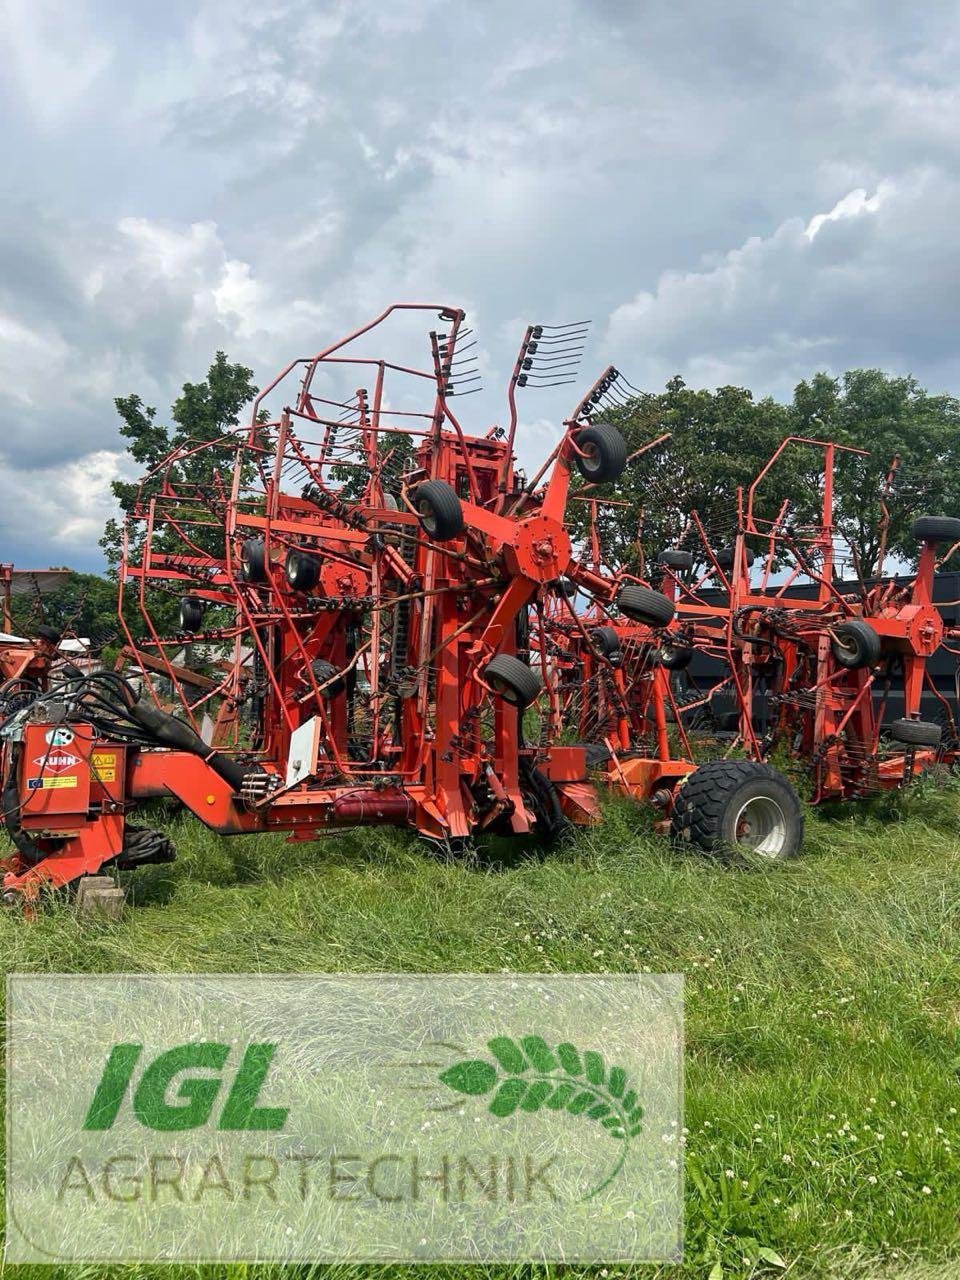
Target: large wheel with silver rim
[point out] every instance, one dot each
(731, 805)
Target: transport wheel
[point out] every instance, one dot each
(916, 733)
(671, 558)
(603, 453)
(606, 640)
(674, 657)
(724, 557)
(191, 613)
(439, 509)
(323, 671)
(936, 529)
(512, 679)
(641, 604)
(855, 644)
(253, 561)
(302, 570)
(729, 804)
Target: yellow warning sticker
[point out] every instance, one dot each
(103, 765)
(58, 784)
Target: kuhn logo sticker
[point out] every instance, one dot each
(56, 761)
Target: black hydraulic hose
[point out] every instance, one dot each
(172, 732)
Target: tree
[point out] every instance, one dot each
(891, 417)
(719, 440)
(204, 412)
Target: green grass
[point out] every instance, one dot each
(822, 998)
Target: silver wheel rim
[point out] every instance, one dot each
(761, 825)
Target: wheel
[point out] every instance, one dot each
(191, 613)
(441, 515)
(936, 529)
(916, 733)
(323, 671)
(674, 559)
(730, 804)
(512, 679)
(724, 557)
(606, 640)
(641, 604)
(253, 561)
(603, 452)
(673, 657)
(855, 644)
(50, 634)
(302, 570)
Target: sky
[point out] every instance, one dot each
(739, 193)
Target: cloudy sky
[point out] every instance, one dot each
(738, 192)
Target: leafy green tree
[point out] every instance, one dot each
(205, 412)
(718, 441)
(892, 418)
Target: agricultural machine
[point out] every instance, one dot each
(809, 665)
(354, 612)
(345, 613)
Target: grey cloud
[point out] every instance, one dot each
(264, 175)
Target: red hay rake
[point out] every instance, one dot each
(363, 615)
(821, 660)
(355, 583)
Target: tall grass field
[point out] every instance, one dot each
(822, 1124)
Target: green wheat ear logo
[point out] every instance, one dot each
(530, 1076)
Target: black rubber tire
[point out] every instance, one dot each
(672, 558)
(512, 679)
(724, 557)
(606, 640)
(674, 657)
(710, 802)
(50, 634)
(855, 645)
(191, 613)
(641, 604)
(439, 509)
(936, 529)
(322, 671)
(253, 561)
(916, 733)
(302, 570)
(604, 455)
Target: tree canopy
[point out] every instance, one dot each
(721, 439)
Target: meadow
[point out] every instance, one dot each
(822, 1123)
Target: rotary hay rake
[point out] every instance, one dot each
(356, 584)
(809, 670)
(359, 614)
